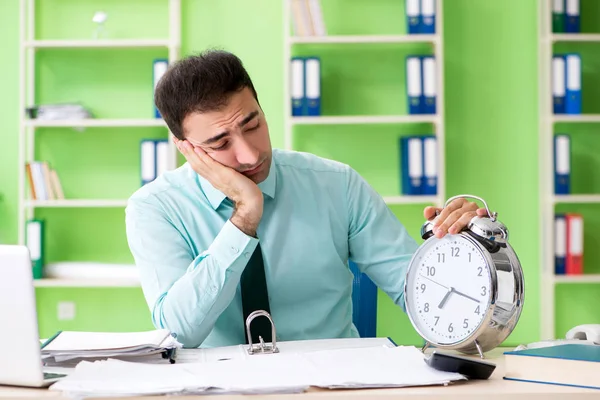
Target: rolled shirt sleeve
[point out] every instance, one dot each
(186, 294)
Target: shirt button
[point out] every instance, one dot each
(247, 255)
(234, 250)
(213, 289)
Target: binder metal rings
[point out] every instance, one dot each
(261, 347)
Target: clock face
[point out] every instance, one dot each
(448, 289)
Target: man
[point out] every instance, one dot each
(241, 227)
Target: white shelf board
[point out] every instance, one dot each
(364, 119)
(76, 203)
(82, 44)
(391, 200)
(90, 282)
(577, 198)
(92, 122)
(576, 37)
(589, 278)
(576, 118)
(356, 39)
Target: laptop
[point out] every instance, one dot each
(20, 358)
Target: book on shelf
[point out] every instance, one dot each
(420, 17)
(418, 165)
(44, 183)
(566, 16)
(307, 18)
(568, 243)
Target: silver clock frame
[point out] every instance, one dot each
(501, 317)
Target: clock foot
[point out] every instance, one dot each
(425, 347)
(479, 349)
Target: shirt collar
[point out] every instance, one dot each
(216, 197)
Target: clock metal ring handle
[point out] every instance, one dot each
(492, 215)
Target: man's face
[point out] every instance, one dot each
(236, 136)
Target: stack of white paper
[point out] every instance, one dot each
(371, 367)
(70, 347)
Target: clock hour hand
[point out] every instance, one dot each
(465, 295)
(445, 298)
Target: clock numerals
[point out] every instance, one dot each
(430, 271)
(441, 257)
(479, 271)
(455, 251)
(469, 257)
(426, 307)
(450, 328)
(483, 290)
(423, 287)
(477, 311)
(466, 323)
(437, 319)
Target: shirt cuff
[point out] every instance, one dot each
(231, 244)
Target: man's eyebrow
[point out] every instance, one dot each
(248, 118)
(221, 135)
(215, 138)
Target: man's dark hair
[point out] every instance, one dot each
(199, 83)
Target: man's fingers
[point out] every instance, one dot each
(461, 222)
(482, 212)
(430, 212)
(449, 209)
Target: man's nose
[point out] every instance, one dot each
(246, 154)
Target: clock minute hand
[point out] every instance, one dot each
(437, 283)
(467, 296)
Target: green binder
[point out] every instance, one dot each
(558, 16)
(35, 244)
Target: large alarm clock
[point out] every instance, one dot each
(465, 291)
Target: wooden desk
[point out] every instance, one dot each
(493, 388)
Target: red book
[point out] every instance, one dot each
(574, 259)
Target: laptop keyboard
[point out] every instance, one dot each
(49, 375)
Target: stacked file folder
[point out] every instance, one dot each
(421, 84)
(70, 347)
(566, 83)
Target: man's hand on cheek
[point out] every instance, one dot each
(245, 194)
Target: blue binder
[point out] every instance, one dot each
(159, 67)
(414, 84)
(413, 16)
(428, 90)
(147, 161)
(312, 74)
(411, 154)
(427, 16)
(364, 302)
(298, 87)
(572, 24)
(562, 164)
(559, 86)
(430, 176)
(560, 244)
(573, 83)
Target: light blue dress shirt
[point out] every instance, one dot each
(317, 214)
